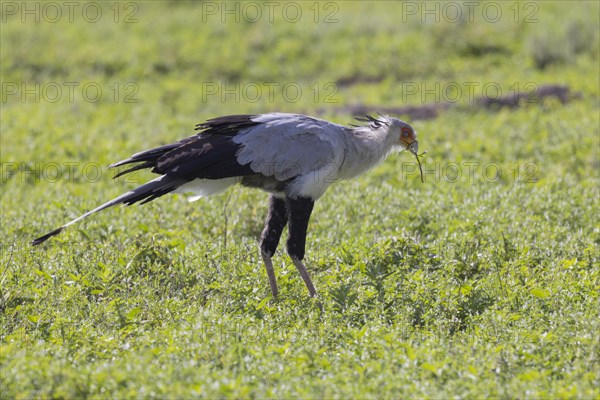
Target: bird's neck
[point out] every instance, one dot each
(366, 148)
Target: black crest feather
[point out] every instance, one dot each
(374, 122)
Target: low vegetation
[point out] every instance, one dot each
(481, 282)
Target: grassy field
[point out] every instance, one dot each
(482, 282)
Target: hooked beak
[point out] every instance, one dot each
(413, 147)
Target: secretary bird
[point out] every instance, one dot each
(293, 157)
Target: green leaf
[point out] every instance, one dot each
(43, 274)
(134, 312)
(430, 367)
(540, 293)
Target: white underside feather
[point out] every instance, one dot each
(206, 187)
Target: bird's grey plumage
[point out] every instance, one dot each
(313, 152)
(287, 145)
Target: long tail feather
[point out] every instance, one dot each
(147, 192)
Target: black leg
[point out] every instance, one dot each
(299, 211)
(269, 239)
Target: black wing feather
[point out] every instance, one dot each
(144, 165)
(208, 154)
(227, 125)
(152, 154)
(212, 157)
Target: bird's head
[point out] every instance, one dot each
(404, 135)
(398, 133)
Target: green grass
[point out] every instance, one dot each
(467, 287)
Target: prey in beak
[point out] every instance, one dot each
(409, 139)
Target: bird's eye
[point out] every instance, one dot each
(405, 133)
